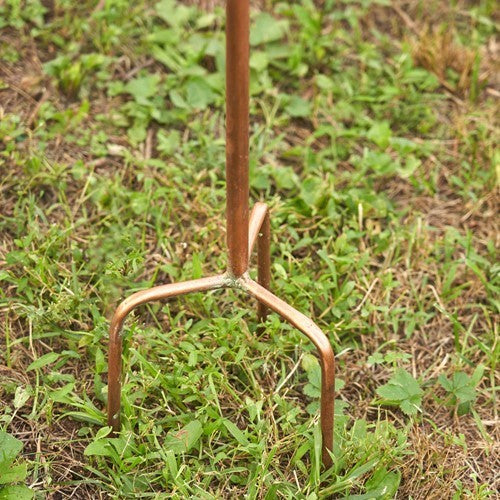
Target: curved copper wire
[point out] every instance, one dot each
(259, 230)
(265, 297)
(257, 217)
(115, 339)
(325, 351)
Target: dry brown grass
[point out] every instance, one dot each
(437, 52)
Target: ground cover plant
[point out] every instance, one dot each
(373, 134)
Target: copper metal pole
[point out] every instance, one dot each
(242, 235)
(237, 130)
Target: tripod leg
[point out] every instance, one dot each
(115, 339)
(264, 263)
(326, 356)
(260, 231)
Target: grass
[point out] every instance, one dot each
(373, 134)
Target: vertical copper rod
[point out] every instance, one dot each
(237, 130)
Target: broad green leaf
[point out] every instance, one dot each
(16, 493)
(172, 463)
(280, 270)
(168, 143)
(402, 390)
(10, 447)
(392, 392)
(466, 394)
(324, 83)
(313, 388)
(375, 358)
(173, 13)
(284, 177)
(44, 360)
(380, 134)
(177, 100)
(409, 407)
(311, 190)
(103, 432)
(309, 362)
(312, 391)
(259, 60)
(167, 58)
(266, 28)
(314, 376)
(362, 469)
(445, 383)
(381, 486)
(477, 375)
(410, 166)
(462, 388)
(21, 396)
(84, 417)
(101, 448)
(183, 440)
(237, 434)
(197, 267)
(101, 364)
(298, 107)
(198, 93)
(142, 88)
(137, 133)
(14, 474)
(460, 379)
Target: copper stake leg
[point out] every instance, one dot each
(326, 357)
(260, 230)
(115, 340)
(264, 263)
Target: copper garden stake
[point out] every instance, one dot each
(243, 231)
